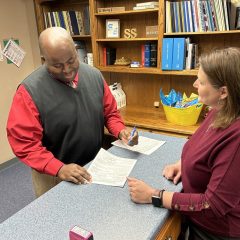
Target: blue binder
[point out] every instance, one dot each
(179, 52)
(167, 53)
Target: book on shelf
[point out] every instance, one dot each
(238, 18)
(216, 10)
(186, 16)
(154, 3)
(221, 15)
(144, 7)
(105, 56)
(167, 53)
(214, 14)
(52, 21)
(46, 20)
(210, 16)
(81, 50)
(179, 51)
(111, 9)
(56, 17)
(207, 16)
(195, 57)
(61, 19)
(147, 54)
(79, 16)
(225, 12)
(183, 18)
(234, 13)
(86, 20)
(188, 54)
(200, 15)
(105, 9)
(192, 56)
(168, 22)
(90, 59)
(153, 54)
(196, 17)
(176, 17)
(172, 18)
(75, 22)
(109, 56)
(180, 26)
(190, 15)
(179, 54)
(118, 9)
(67, 21)
(83, 55)
(142, 54)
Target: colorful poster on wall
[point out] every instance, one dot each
(5, 43)
(13, 52)
(1, 55)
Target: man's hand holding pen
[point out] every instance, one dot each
(130, 138)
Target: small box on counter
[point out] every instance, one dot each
(78, 233)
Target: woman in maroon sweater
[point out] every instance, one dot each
(210, 162)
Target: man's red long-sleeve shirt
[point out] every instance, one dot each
(25, 132)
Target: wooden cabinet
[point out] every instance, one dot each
(141, 85)
(171, 228)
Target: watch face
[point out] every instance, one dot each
(156, 201)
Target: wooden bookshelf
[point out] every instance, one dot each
(153, 119)
(44, 6)
(141, 85)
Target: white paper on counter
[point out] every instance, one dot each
(108, 169)
(145, 145)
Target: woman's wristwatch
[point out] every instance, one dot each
(157, 200)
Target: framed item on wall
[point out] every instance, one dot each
(112, 28)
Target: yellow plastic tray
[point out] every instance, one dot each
(183, 116)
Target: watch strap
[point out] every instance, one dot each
(157, 201)
(161, 197)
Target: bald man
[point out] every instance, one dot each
(56, 121)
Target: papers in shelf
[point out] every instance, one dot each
(145, 145)
(108, 169)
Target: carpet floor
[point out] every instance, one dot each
(16, 190)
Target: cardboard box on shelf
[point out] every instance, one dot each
(151, 31)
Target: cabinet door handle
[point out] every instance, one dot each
(168, 238)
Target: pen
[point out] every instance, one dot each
(132, 134)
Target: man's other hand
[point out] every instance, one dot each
(74, 173)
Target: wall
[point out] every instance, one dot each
(17, 20)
